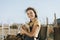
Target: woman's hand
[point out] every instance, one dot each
(22, 31)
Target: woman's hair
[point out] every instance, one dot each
(30, 8)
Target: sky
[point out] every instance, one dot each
(13, 11)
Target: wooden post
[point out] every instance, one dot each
(9, 29)
(2, 32)
(47, 27)
(55, 20)
(46, 20)
(56, 29)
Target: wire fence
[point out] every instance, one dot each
(6, 30)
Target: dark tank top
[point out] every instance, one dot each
(31, 29)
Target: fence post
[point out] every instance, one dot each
(9, 28)
(2, 32)
(55, 20)
(47, 27)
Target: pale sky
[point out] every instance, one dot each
(13, 11)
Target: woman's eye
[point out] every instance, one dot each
(27, 13)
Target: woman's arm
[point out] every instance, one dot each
(34, 29)
(31, 34)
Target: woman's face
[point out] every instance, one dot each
(31, 14)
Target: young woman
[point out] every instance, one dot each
(34, 25)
